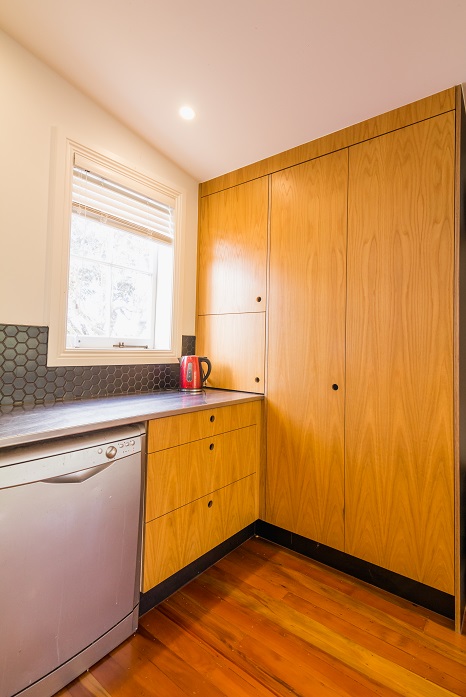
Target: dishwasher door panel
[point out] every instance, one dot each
(65, 551)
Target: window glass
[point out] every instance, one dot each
(120, 285)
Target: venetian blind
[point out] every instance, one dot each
(96, 196)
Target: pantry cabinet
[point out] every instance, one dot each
(366, 306)
(201, 487)
(306, 349)
(399, 352)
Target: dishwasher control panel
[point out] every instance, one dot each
(122, 448)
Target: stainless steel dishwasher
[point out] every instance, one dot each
(70, 535)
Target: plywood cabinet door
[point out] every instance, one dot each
(306, 349)
(236, 346)
(233, 249)
(399, 411)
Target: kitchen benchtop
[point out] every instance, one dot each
(21, 426)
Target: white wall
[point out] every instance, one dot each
(34, 100)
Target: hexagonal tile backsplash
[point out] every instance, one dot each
(25, 378)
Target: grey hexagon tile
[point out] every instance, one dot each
(188, 345)
(25, 378)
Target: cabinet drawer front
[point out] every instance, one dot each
(183, 428)
(178, 538)
(177, 476)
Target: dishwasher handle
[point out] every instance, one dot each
(77, 477)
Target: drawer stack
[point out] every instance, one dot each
(201, 485)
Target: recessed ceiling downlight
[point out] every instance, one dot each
(187, 112)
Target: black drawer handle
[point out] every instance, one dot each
(210, 504)
(211, 446)
(257, 379)
(258, 299)
(334, 386)
(212, 418)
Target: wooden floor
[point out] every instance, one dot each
(265, 621)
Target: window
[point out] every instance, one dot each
(119, 266)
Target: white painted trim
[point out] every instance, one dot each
(63, 149)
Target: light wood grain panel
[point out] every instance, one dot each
(399, 437)
(184, 428)
(178, 538)
(236, 346)
(306, 353)
(180, 475)
(460, 360)
(233, 250)
(378, 125)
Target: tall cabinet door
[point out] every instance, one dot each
(399, 370)
(306, 349)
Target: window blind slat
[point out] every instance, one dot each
(94, 214)
(139, 184)
(97, 197)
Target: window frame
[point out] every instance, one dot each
(64, 149)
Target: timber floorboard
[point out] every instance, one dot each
(265, 621)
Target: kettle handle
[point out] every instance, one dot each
(204, 376)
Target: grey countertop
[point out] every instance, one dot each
(22, 426)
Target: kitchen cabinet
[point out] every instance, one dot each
(399, 360)
(366, 305)
(233, 250)
(306, 349)
(364, 380)
(232, 285)
(202, 485)
(236, 346)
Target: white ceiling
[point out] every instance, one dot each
(262, 75)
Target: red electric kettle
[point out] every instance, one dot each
(192, 377)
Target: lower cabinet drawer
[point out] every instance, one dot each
(177, 476)
(178, 538)
(170, 431)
